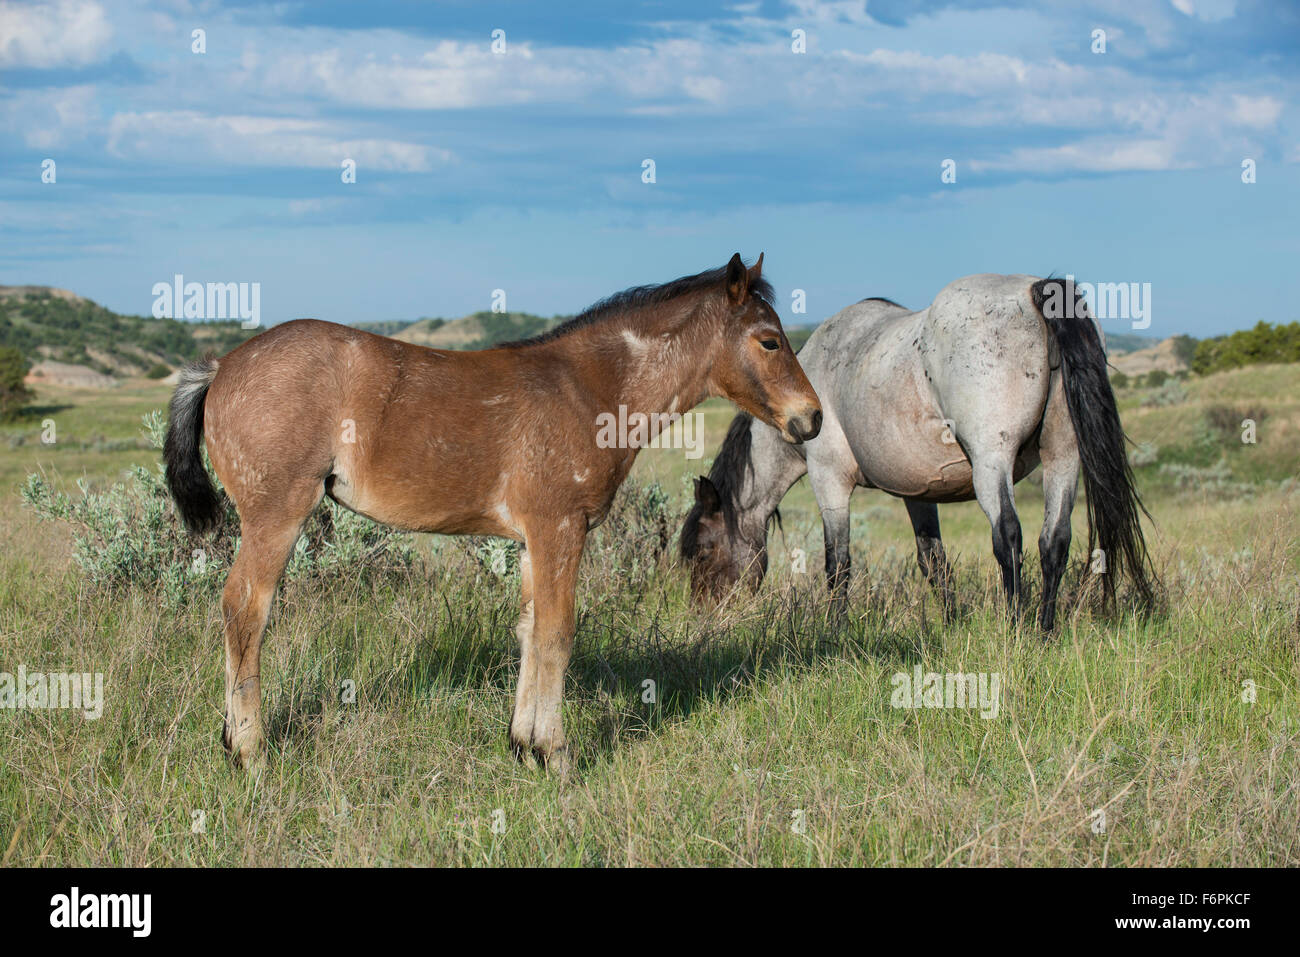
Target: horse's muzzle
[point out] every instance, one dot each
(802, 428)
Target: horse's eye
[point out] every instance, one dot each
(771, 345)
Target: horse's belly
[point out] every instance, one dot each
(941, 477)
(421, 502)
(936, 472)
(906, 447)
(952, 482)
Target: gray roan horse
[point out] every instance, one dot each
(957, 401)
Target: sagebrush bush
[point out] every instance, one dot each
(628, 546)
(1214, 480)
(1226, 420)
(1169, 392)
(1145, 453)
(131, 535)
(634, 539)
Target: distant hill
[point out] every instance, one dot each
(477, 331)
(74, 341)
(1119, 343)
(65, 333)
(1172, 355)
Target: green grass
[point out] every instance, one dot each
(772, 741)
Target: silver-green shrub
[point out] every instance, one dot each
(131, 535)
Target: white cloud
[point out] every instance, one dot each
(59, 33)
(1108, 118)
(1208, 10)
(47, 119)
(455, 75)
(707, 88)
(1170, 131)
(312, 207)
(1091, 155)
(959, 74)
(1257, 111)
(450, 76)
(179, 136)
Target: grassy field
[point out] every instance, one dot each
(772, 739)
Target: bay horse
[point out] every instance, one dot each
(957, 401)
(501, 441)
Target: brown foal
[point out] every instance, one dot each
(501, 441)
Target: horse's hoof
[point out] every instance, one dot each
(247, 750)
(557, 762)
(524, 755)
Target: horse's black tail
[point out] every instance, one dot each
(1114, 507)
(188, 480)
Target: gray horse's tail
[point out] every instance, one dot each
(1114, 507)
(188, 480)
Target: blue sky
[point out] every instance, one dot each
(522, 170)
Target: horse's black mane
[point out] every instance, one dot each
(640, 296)
(733, 461)
(730, 466)
(881, 299)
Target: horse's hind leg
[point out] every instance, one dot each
(1059, 450)
(993, 489)
(268, 533)
(930, 555)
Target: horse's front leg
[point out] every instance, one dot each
(833, 488)
(545, 630)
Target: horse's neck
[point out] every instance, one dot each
(775, 466)
(661, 364)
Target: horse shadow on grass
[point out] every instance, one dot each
(641, 663)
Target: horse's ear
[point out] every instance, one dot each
(706, 495)
(756, 270)
(737, 280)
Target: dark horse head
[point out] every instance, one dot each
(722, 542)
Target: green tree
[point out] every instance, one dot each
(1185, 348)
(14, 393)
(1264, 343)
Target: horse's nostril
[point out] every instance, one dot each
(802, 428)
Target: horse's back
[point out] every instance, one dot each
(985, 350)
(383, 421)
(908, 390)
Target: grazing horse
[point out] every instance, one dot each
(957, 401)
(502, 441)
